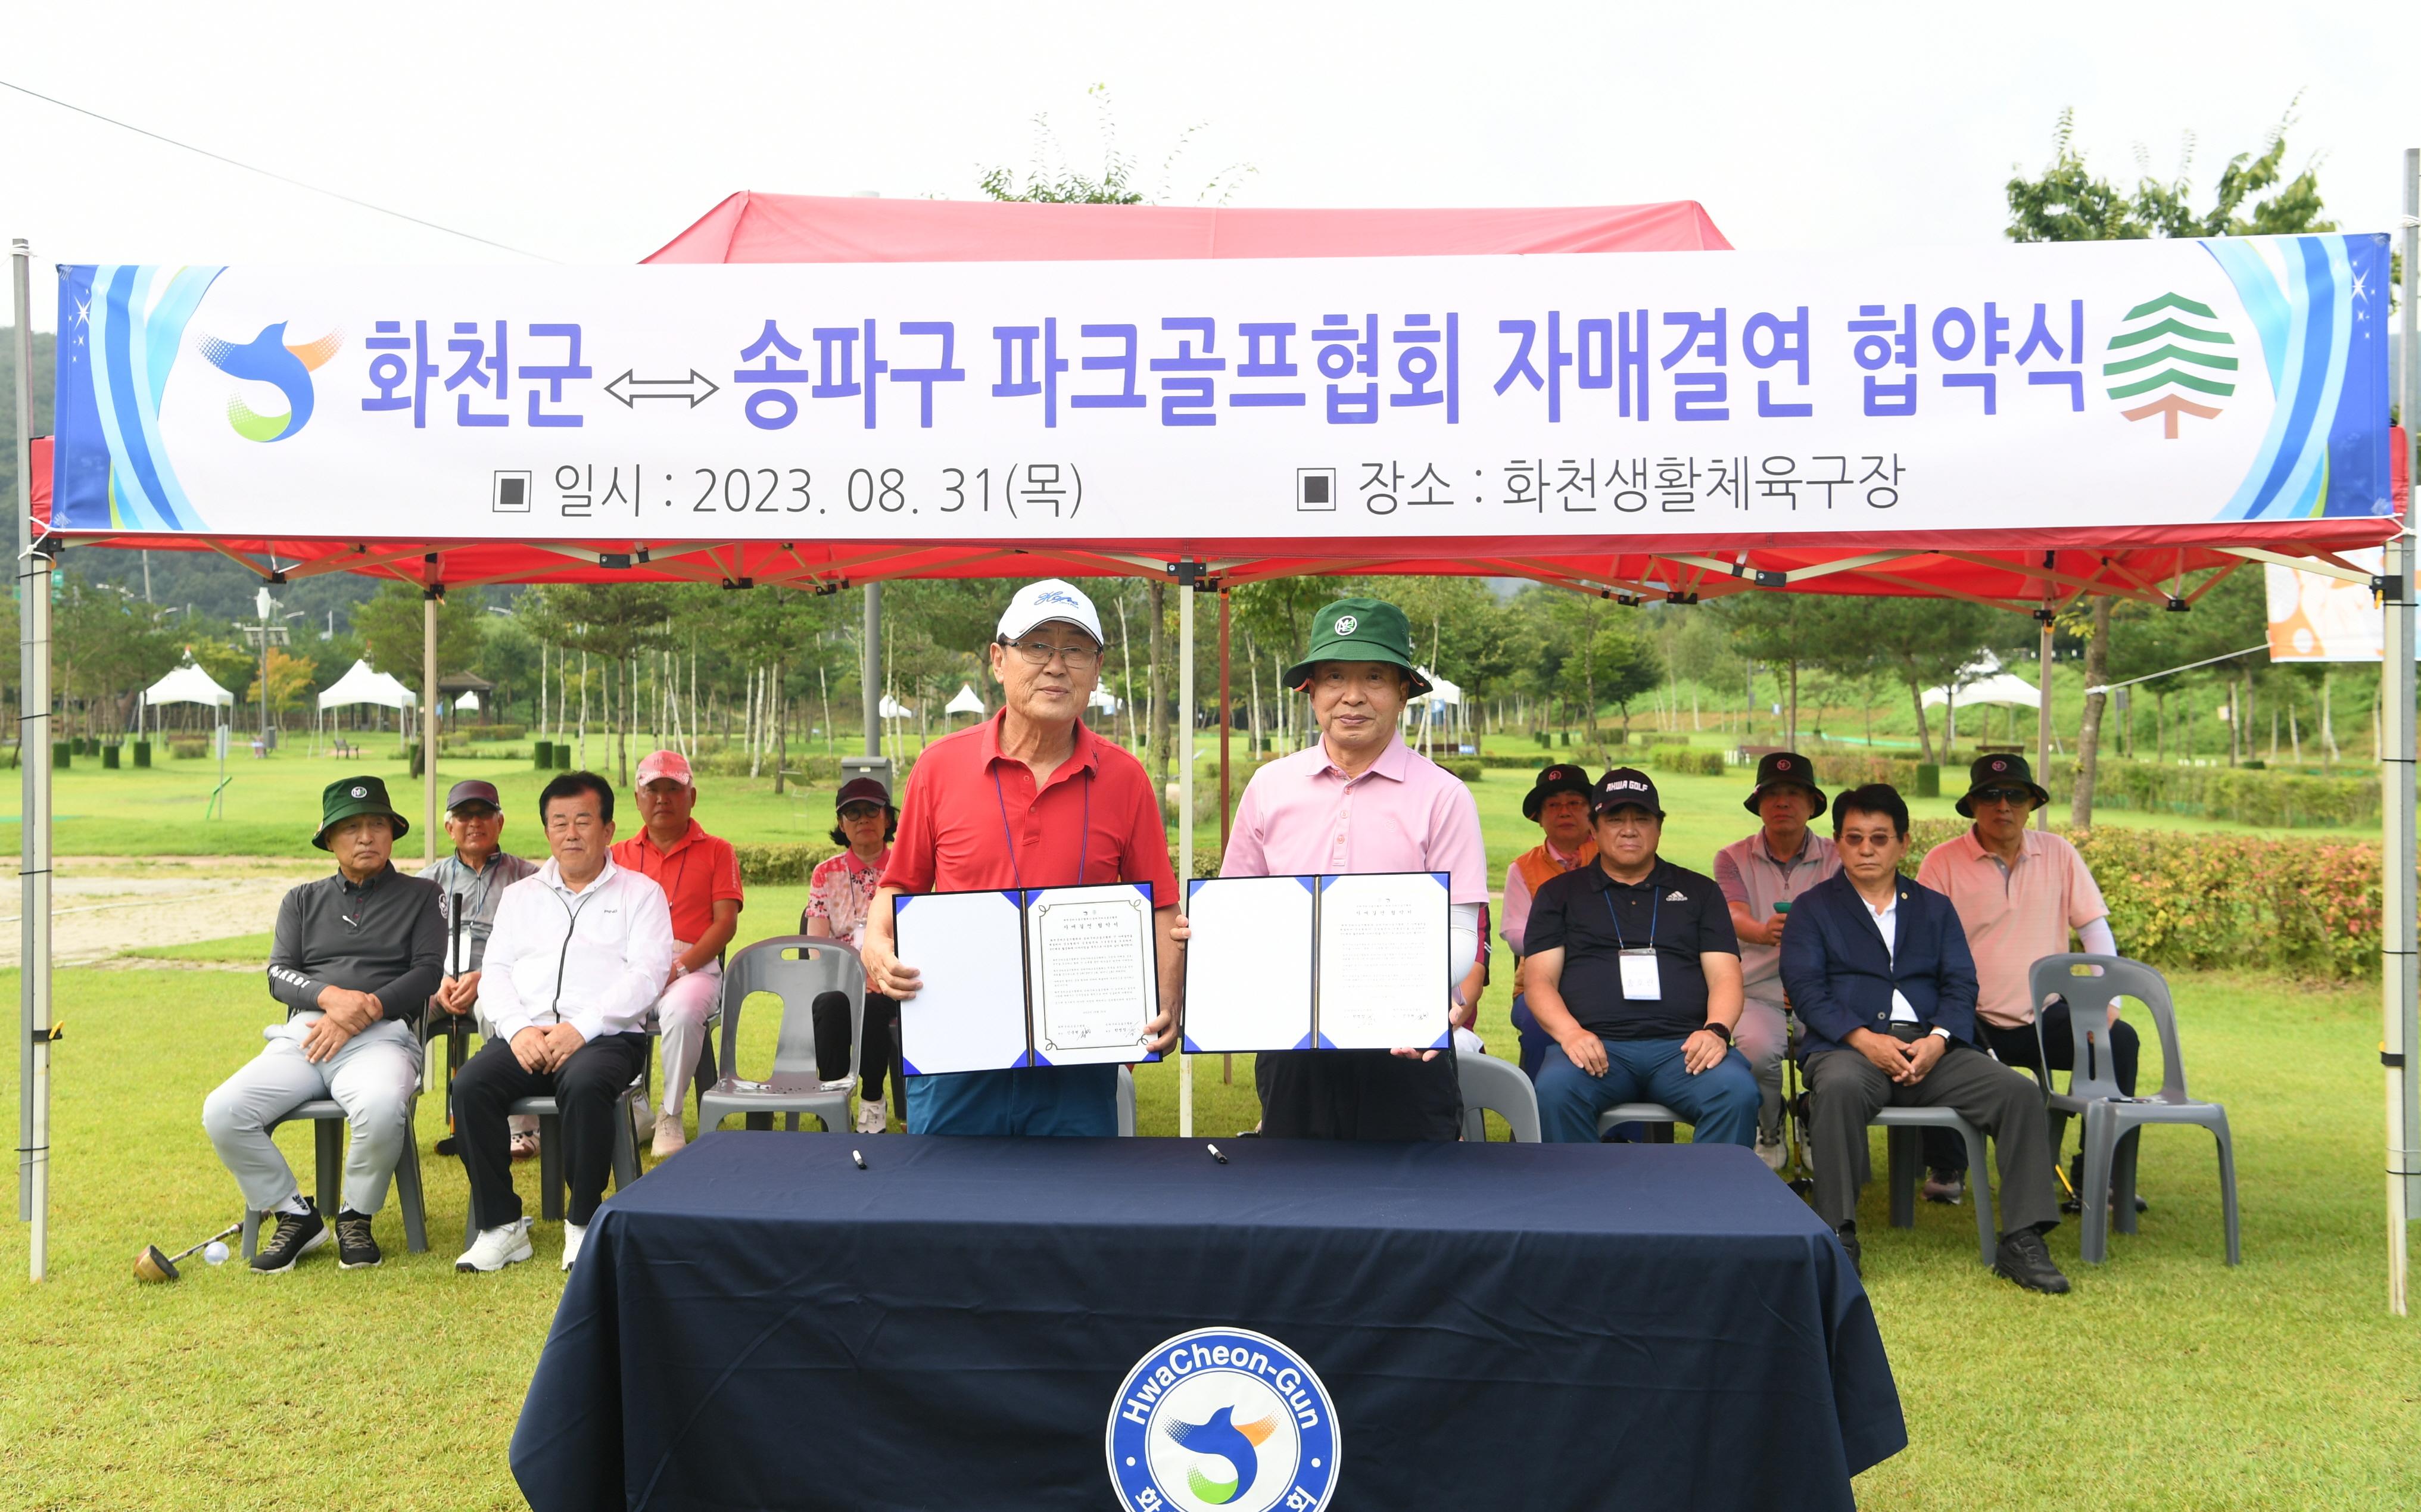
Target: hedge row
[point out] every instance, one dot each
(2183, 901)
(1687, 760)
(788, 865)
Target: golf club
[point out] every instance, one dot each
(150, 1265)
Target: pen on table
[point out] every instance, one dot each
(1214, 1153)
(859, 1158)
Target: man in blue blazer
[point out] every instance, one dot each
(1879, 971)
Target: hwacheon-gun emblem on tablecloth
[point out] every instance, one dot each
(1223, 1418)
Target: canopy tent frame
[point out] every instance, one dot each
(2019, 571)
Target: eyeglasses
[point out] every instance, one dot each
(1038, 654)
(859, 811)
(2003, 795)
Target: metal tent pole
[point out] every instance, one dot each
(2399, 984)
(35, 1032)
(429, 600)
(1186, 576)
(2042, 716)
(869, 674)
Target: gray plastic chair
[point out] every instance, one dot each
(1490, 1084)
(1126, 1102)
(797, 970)
(1906, 1142)
(552, 1178)
(328, 1177)
(2114, 1123)
(1640, 1112)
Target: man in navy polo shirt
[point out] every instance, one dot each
(1634, 968)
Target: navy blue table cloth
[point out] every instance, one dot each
(758, 1323)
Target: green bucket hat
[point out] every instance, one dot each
(348, 796)
(1359, 629)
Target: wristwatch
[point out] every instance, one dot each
(1722, 1030)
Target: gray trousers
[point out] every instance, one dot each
(1761, 1034)
(1847, 1089)
(372, 1077)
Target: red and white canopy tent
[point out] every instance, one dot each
(2024, 556)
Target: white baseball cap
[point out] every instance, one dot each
(1039, 604)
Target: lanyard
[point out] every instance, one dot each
(1084, 844)
(1653, 909)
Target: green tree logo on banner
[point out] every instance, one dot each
(2162, 357)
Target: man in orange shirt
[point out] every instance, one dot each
(700, 875)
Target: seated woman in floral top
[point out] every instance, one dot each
(838, 896)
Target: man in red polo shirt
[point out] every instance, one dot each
(700, 875)
(1030, 799)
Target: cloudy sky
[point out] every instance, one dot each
(593, 133)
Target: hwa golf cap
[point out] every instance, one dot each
(1039, 604)
(1625, 788)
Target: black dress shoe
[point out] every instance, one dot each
(297, 1234)
(2026, 1261)
(2071, 1204)
(1848, 1235)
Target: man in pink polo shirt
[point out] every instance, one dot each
(2018, 891)
(1362, 801)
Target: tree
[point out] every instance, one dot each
(289, 677)
(1925, 642)
(389, 623)
(2068, 202)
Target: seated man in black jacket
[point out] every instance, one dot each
(355, 958)
(1879, 971)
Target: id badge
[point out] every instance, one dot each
(1639, 982)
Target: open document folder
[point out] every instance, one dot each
(1353, 962)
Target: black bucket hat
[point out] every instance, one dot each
(2001, 771)
(1555, 779)
(1784, 769)
(346, 797)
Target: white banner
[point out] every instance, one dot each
(1710, 393)
(2316, 618)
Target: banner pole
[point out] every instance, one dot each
(2399, 984)
(1187, 574)
(34, 811)
(429, 598)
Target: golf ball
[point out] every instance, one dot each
(215, 1253)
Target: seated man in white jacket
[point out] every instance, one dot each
(579, 952)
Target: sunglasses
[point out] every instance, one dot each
(2003, 795)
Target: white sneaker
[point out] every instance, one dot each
(1774, 1153)
(873, 1117)
(670, 1141)
(496, 1248)
(574, 1235)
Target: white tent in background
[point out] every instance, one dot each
(1103, 700)
(467, 703)
(360, 685)
(187, 684)
(893, 709)
(966, 702)
(2000, 688)
(1442, 693)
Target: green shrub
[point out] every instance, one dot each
(186, 748)
(1467, 768)
(468, 731)
(1682, 758)
(787, 865)
(2236, 902)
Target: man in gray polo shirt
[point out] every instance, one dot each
(1782, 860)
(473, 877)
(355, 958)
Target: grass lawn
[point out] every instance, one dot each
(2166, 1380)
(271, 805)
